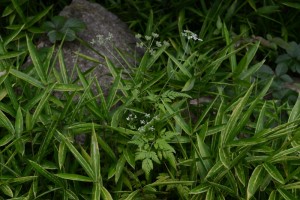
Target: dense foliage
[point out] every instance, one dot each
(210, 112)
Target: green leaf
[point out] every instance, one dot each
(96, 192)
(19, 122)
(292, 4)
(11, 54)
(74, 177)
(37, 17)
(113, 91)
(260, 121)
(200, 189)
(129, 156)
(45, 173)
(210, 195)
(189, 84)
(44, 100)
(254, 181)
(105, 194)
(281, 70)
(62, 152)
(218, 167)
(295, 111)
(119, 168)
(6, 190)
(183, 68)
(247, 142)
(272, 195)
(20, 180)
(223, 187)
(291, 186)
(171, 159)
(224, 157)
(95, 156)
(132, 195)
(20, 146)
(246, 60)
(5, 122)
(286, 195)
(62, 87)
(265, 10)
(228, 135)
(17, 7)
(232, 55)
(282, 154)
(6, 139)
(106, 148)
(26, 78)
(147, 165)
(75, 24)
(37, 63)
(274, 173)
(240, 173)
(86, 166)
(249, 72)
(55, 35)
(180, 121)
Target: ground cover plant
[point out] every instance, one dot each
(209, 112)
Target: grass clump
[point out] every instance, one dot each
(193, 120)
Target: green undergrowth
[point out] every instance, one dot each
(193, 120)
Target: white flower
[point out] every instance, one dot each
(166, 43)
(158, 43)
(147, 115)
(139, 45)
(190, 35)
(142, 121)
(141, 129)
(156, 118)
(147, 37)
(100, 39)
(152, 52)
(155, 35)
(93, 42)
(3, 73)
(110, 36)
(138, 36)
(151, 128)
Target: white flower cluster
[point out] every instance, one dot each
(144, 123)
(190, 35)
(150, 39)
(101, 40)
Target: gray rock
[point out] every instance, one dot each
(105, 33)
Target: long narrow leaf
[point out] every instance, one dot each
(5, 122)
(179, 120)
(45, 173)
(95, 156)
(36, 61)
(26, 78)
(105, 194)
(274, 173)
(42, 103)
(74, 177)
(86, 166)
(254, 181)
(228, 135)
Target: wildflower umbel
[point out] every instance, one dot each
(141, 123)
(190, 35)
(101, 40)
(148, 42)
